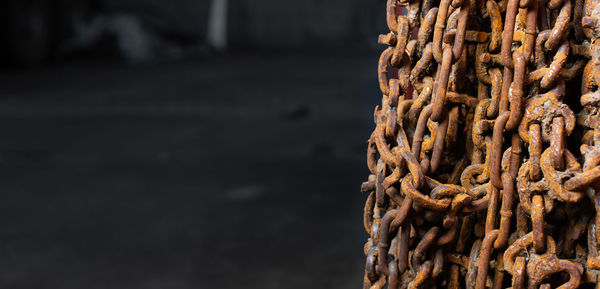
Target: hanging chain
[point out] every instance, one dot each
(485, 159)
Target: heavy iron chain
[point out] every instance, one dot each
(485, 160)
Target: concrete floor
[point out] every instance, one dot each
(232, 172)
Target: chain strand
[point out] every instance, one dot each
(485, 160)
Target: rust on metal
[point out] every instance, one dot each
(485, 159)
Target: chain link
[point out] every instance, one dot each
(485, 160)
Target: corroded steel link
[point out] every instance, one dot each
(484, 164)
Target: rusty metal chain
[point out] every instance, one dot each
(485, 159)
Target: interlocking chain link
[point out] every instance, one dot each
(485, 159)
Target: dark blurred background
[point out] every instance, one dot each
(185, 143)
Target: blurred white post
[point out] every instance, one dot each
(217, 25)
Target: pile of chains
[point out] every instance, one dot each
(485, 160)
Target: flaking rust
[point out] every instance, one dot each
(485, 160)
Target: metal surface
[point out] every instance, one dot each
(485, 157)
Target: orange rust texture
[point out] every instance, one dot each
(485, 160)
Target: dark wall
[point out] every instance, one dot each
(34, 31)
(307, 23)
(267, 23)
(185, 17)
